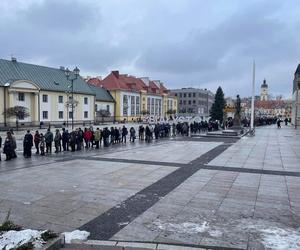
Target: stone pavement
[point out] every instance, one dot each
(186, 191)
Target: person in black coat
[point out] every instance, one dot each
(27, 143)
(65, 139)
(124, 133)
(0, 146)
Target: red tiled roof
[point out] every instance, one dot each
(94, 81)
(116, 81)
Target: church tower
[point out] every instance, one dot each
(264, 91)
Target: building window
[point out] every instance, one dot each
(45, 114)
(21, 97)
(107, 108)
(159, 107)
(180, 95)
(148, 104)
(190, 102)
(85, 100)
(152, 106)
(86, 114)
(125, 105)
(175, 94)
(190, 95)
(60, 99)
(45, 98)
(70, 115)
(184, 95)
(194, 94)
(96, 107)
(137, 105)
(194, 102)
(132, 106)
(184, 102)
(61, 115)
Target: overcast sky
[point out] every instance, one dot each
(184, 43)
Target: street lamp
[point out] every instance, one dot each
(68, 74)
(296, 104)
(6, 86)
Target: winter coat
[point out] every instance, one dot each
(48, 137)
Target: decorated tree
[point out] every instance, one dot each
(18, 112)
(216, 111)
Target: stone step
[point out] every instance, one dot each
(85, 246)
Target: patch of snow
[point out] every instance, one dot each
(273, 235)
(13, 239)
(123, 223)
(26, 202)
(76, 236)
(215, 233)
(186, 227)
(279, 239)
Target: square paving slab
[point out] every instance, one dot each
(173, 151)
(63, 196)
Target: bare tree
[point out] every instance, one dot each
(19, 112)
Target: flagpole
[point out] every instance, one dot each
(252, 101)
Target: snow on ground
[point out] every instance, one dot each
(76, 236)
(13, 239)
(186, 227)
(272, 235)
(279, 239)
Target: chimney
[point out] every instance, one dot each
(14, 59)
(116, 73)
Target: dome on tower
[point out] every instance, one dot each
(264, 85)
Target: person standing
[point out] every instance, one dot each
(27, 143)
(124, 133)
(73, 140)
(65, 139)
(0, 146)
(79, 138)
(48, 140)
(8, 148)
(132, 134)
(42, 144)
(97, 135)
(37, 140)
(57, 140)
(14, 144)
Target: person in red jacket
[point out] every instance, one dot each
(87, 136)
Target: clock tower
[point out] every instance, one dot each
(264, 91)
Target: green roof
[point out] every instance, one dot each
(52, 79)
(102, 94)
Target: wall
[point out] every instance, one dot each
(103, 105)
(1, 105)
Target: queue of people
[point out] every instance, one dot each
(76, 140)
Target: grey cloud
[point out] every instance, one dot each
(176, 41)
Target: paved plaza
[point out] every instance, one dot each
(197, 192)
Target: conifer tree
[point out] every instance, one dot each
(216, 111)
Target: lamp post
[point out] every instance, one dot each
(6, 86)
(76, 74)
(296, 105)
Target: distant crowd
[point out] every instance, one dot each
(78, 139)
